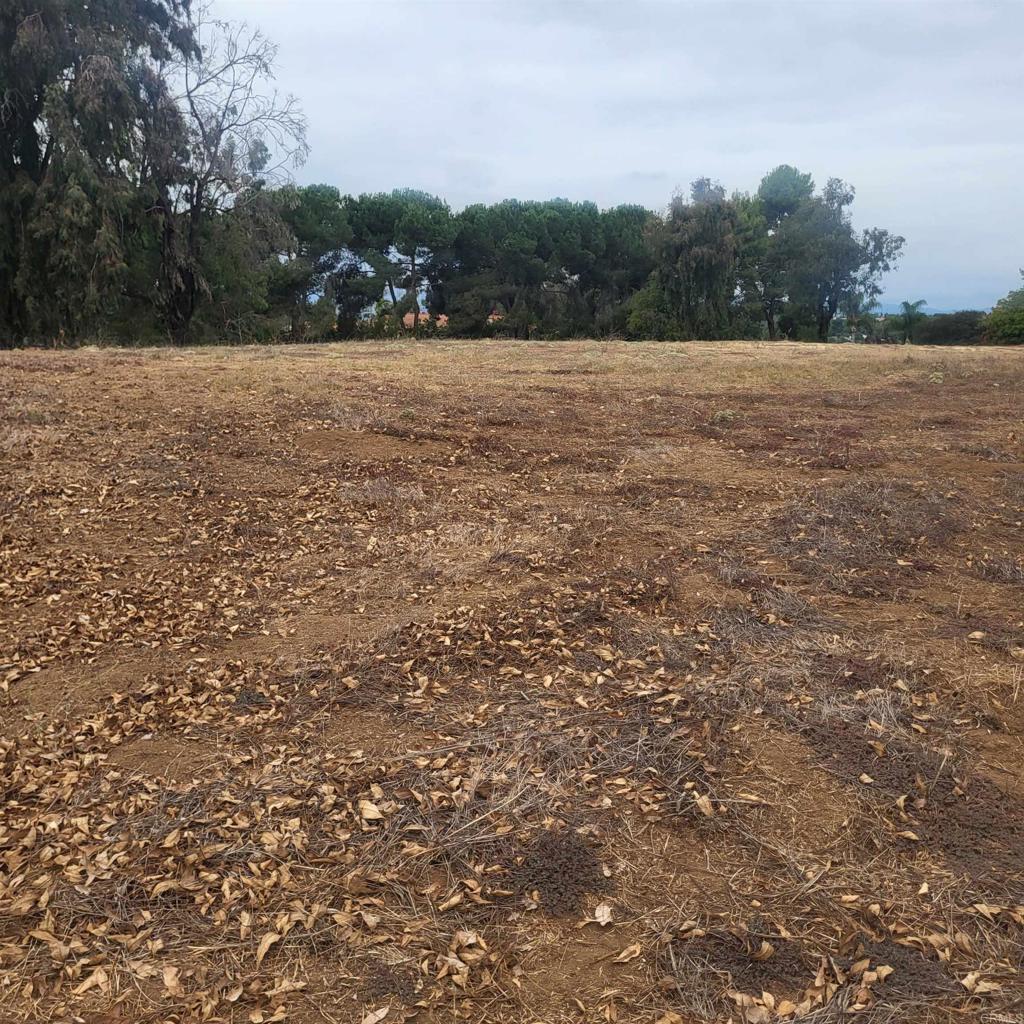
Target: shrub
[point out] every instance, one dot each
(965, 327)
(1005, 326)
(649, 317)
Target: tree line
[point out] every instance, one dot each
(145, 195)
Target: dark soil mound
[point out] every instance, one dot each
(779, 966)
(561, 868)
(973, 823)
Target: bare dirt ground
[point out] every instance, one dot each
(512, 683)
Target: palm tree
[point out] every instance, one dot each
(912, 314)
(858, 307)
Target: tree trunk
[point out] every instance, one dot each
(415, 294)
(180, 301)
(182, 308)
(394, 302)
(179, 281)
(824, 322)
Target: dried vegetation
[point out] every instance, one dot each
(511, 683)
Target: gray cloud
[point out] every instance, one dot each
(918, 104)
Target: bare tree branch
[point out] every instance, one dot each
(241, 136)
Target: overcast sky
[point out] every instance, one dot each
(920, 105)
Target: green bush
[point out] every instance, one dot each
(649, 318)
(965, 327)
(1005, 326)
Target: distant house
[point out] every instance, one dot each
(409, 320)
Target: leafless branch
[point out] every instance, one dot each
(241, 132)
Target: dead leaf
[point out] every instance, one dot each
(171, 981)
(452, 901)
(976, 985)
(266, 942)
(369, 811)
(98, 979)
(988, 910)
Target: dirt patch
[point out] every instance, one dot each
(171, 757)
(570, 967)
(1000, 754)
(798, 807)
(349, 730)
(367, 446)
(59, 692)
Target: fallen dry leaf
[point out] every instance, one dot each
(97, 979)
(266, 942)
(369, 811)
(171, 982)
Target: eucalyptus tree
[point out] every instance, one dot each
(85, 112)
(828, 260)
(766, 250)
(761, 263)
(696, 250)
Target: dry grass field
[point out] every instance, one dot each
(525, 683)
